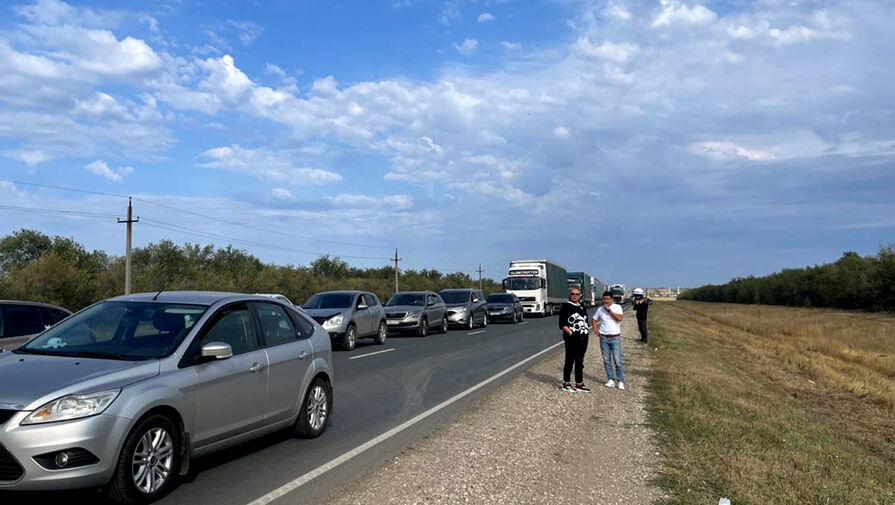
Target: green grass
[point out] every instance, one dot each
(738, 417)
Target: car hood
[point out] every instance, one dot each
(499, 305)
(324, 313)
(457, 305)
(403, 308)
(27, 381)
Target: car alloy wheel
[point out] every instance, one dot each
(424, 327)
(444, 324)
(382, 334)
(470, 325)
(350, 340)
(515, 317)
(316, 410)
(318, 407)
(484, 319)
(153, 459)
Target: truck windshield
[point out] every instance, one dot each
(521, 283)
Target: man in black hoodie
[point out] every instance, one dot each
(573, 323)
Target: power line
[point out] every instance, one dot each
(37, 210)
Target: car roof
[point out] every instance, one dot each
(416, 293)
(200, 297)
(33, 304)
(344, 292)
(458, 290)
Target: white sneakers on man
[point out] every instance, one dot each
(610, 384)
(621, 385)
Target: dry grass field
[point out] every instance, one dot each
(774, 405)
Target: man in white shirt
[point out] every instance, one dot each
(607, 324)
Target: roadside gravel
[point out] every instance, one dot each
(527, 442)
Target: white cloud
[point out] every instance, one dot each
(468, 47)
(616, 52)
(267, 165)
(100, 167)
(281, 194)
(513, 46)
(246, 31)
(398, 202)
(486, 17)
(674, 13)
(55, 12)
(561, 132)
(28, 156)
(726, 150)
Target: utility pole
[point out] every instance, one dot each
(480, 276)
(127, 245)
(396, 259)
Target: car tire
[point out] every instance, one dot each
(349, 341)
(156, 435)
(522, 315)
(381, 334)
(444, 325)
(423, 330)
(515, 317)
(316, 409)
(484, 319)
(470, 325)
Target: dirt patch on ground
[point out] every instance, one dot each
(530, 443)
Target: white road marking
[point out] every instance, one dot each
(476, 332)
(333, 463)
(523, 322)
(372, 353)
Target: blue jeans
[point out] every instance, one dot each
(611, 348)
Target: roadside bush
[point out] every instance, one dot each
(59, 270)
(852, 282)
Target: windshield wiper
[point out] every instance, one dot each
(102, 355)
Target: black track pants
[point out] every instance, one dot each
(576, 346)
(644, 333)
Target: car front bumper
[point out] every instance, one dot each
(102, 436)
(460, 318)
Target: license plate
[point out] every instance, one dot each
(393, 322)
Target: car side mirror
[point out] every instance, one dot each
(362, 306)
(216, 350)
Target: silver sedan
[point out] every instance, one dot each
(125, 392)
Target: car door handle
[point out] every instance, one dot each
(302, 355)
(256, 367)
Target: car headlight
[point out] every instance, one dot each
(336, 320)
(72, 407)
(413, 315)
(461, 310)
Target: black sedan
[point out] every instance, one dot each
(504, 307)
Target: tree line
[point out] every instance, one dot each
(59, 270)
(852, 282)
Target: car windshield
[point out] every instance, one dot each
(455, 296)
(119, 330)
(500, 298)
(329, 301)
(519, 283)
(406, 299)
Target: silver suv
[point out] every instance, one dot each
(348, 315)
(125, 392)
(465, 307)
(417, 312)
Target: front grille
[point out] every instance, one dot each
(526, 298)
(6, 415)
(395, 315)
(10, 469)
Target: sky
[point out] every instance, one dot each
(652, 143)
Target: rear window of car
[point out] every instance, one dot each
(21, 320)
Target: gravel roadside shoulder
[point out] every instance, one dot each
(528, 442)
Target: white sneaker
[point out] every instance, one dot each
(621, 385)
(610, 384)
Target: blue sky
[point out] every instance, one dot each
(647, 142)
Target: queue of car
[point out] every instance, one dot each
(124, 393)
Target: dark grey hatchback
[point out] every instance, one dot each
(505, 307)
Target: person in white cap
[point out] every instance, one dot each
(607, 324)
(641, 306)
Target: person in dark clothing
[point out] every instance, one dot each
(573, 323)
(641, 306)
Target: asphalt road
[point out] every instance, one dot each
(373, 393)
